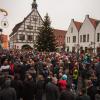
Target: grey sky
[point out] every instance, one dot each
(60, 11)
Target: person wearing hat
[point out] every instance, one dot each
(62, 83)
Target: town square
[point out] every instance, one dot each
(49, 50)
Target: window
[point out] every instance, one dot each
(88, 38)
(71, 29)
(73, 49)
(21, 37)
(98, 37)
(35, 18)
(74, 39)
(29, 37)
(29, 27)
(69, 39)
(84, 38)
(80, 38)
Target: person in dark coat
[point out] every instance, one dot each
(52, 91)
(85, 96)
(28, 88)
(91, 90)
(8, 93)
(98, 72)
(67, 94)
(17, 85)
(40, 86)
(97, 96)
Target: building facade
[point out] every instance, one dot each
(87, 36)
(97, 38)
(25, 32)
(4, 41)
(71, 38)
(59, 37)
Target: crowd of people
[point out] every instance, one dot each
(33, 75)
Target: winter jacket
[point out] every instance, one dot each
(97, 97)
(62, 84)
(40, 85)
(52, 91)
(7, 93)
(28, 89)
(67, 95)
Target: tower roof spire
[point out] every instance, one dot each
(34, 4)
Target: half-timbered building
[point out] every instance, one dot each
(25, 32)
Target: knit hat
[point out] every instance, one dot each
(64, 77)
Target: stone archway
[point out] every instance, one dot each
(26, 47)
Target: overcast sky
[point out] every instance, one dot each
(60, 11)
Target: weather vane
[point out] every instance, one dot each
(4, 22)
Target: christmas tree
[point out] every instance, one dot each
(46, 39)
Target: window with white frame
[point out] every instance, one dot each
(88, 38)
(84, 38)
(80, 38)
(29, 37)
(69, 39)
(21, 37)
(98, 37)
(74, 39)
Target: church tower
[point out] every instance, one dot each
(34, 4)
(25, 32)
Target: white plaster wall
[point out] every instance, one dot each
(87, 28)
(97, 31)
(69, 34)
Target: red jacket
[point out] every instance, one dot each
(62, 84)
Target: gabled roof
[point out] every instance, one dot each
(57, 31)
(94, 22)
(17, 26)
(78, 25)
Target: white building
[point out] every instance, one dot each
(25, 32)
(71, 38)
(97, 38)
(87, 35)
